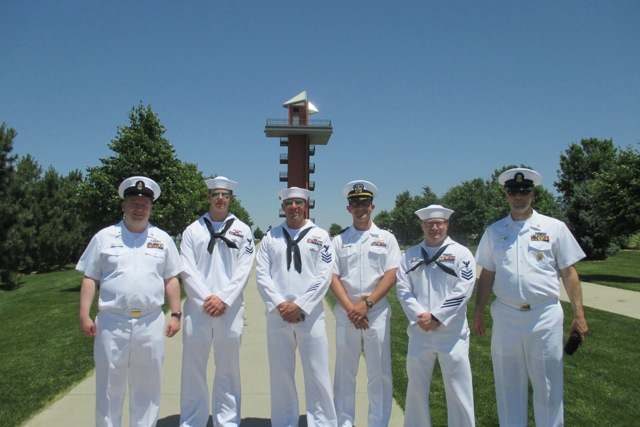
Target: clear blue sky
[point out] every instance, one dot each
(419, 92)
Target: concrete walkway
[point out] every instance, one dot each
(76, 408)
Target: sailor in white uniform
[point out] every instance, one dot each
(218, 252)
(293, 273)
(367, 259)
(523, 256)
(136, 265)
(435, 282)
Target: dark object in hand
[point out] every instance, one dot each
(572, 343)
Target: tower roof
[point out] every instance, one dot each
(301, 99)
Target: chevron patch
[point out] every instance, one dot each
(326, 255)
(466, 274)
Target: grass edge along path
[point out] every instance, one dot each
(44, 355)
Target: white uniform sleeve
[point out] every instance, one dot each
(246, 255)
(173, 265)
(484, 254)
(457, 298)
(266, 287)
(404, 289)
(324, 264)
(394, 255)
(335, 245)
(192, 279)
(89, 263)
(570, 251)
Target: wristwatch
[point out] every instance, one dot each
(178, 315)
(368, 302)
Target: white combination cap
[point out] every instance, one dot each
(139, 186)
(294, 193)
(359, 188)
(220, 182)
(434, 211)
(520, 178)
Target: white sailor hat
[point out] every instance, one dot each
(434, 211)
(360, 189)
(520, 178)
(139, 185)
(294, 193)
(220, 182)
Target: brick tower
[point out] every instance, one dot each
(300, 135)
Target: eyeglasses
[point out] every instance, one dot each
(430, 224)
(298, 202)
(216, 194)
(360, 203)
(522, 191)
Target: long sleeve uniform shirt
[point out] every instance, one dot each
(225, 271)
(430, 289)
(278, 284)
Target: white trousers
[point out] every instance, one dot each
(451, 350)
(128, 350)
(201, 332)
(310, 337)
(527, 345)
(377, 353)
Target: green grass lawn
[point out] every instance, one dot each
(601, 378)
(619, 271)
(44, 354)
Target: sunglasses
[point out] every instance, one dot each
(216, 194)
(522, 191)
(360, 203)
(298, 202)
(430, 224)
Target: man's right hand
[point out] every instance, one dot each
(478, 325)
(214, 306)
(87, 326)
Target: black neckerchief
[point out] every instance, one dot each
(221, 235)
(426, 261)
(293, 245)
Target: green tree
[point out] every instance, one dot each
(578, 187)
(402, 219)
(383, 219)
(469, 202)
(617, 190)
(334, 229)
(141, 149)
(23, 238)
(8, 265)
(258, 234)
(62, 228)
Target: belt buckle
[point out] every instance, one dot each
(525, 307)
(136, 313)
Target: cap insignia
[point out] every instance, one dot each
(519, 177)
(358, 188)
(140, 185)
